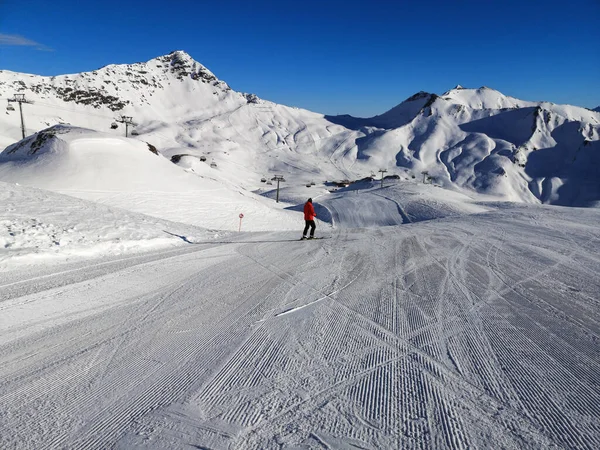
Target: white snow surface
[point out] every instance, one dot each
(479, 329)
(40, 227)
(134, 314)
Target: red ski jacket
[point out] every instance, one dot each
(309, 211)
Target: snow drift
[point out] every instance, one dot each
(39, 226)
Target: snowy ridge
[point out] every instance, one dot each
(483, 98)
(492, 144)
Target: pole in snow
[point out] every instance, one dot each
(278, 178)
(382, 172)
(127, 120)
(20, 99)
(241, 217)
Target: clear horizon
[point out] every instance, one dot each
(353, 57)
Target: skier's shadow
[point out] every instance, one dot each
(183, 238)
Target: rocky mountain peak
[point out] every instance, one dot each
(183, 65)
(117, 86)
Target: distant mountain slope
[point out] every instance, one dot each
(475, 140)
(490, 143)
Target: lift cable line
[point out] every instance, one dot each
(278, 178)
(85, 113)
(110, 117)
(20, 99)
(75, 111)
(103, 116)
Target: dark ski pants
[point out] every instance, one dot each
(312, 225)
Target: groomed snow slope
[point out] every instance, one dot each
(473, 331)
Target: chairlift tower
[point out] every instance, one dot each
(20, 99)
(278, 178)
(382, 172)
(127, 120)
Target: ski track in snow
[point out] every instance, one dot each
(458, 333)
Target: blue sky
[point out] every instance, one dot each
(334, 57)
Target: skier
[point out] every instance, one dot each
(309, 219)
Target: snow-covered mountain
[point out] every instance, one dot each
(493, 144)
(478, 141)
